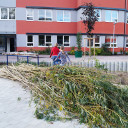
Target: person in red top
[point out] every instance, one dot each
(54, 53)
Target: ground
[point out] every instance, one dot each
(16, 111)
(46, 58)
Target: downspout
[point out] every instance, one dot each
(124, 46)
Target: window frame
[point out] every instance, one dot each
(45, 41)
(63, 40)
(29, 16)
(95, 42)
(45, 15)
(7, 13)
(111, 15)
(63, 16)
(30, 42)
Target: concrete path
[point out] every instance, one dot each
(46, 58)
(15, 111)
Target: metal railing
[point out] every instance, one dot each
(110, 66)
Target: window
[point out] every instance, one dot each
(45, 15)
(63, 40)
(7, 13)
(97, 41)
(30, 14)
(63, 16)
(11, 13)
(127, 42)
(111, 16)
(127, 18)
(30, 41)
(99, 14)
(109, 41)
(44, 40)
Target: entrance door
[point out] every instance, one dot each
(12, 45)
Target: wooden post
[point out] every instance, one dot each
(94, 46)
(90, 47)
(84, 47)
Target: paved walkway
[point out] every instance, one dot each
(46, 58)
(16, 113)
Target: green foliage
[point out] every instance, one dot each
(105, 50)
(97, 51)
(89, 17)
(72, 52)
(100, 66)
(47, 51)
(79, 41)
(121, 51)
(82, 93)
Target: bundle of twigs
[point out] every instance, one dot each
(82, 93)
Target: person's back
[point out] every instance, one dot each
(63, 56)
(54, 54)
(55, 51)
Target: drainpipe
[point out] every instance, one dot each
(124, 46)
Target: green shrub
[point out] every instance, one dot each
(72, 52)
(97, 51)
(47, 51)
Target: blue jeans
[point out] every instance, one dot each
(58, 61)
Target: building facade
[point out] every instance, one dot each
(37, 24)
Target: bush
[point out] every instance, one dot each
(97, 51)
(47, 51)
(72, 52)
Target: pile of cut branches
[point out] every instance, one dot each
(86, 94)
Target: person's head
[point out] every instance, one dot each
(56, 45)
(62, 48)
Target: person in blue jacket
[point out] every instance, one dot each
(63, 56)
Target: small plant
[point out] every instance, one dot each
(47, 51)
(97, 51)
(72, 52)
(99, 66)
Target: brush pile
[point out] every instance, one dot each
(81, 93)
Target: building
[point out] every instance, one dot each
(36, 24)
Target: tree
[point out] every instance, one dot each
(90, 16)
(79, 40)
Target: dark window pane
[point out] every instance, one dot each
(91, 43)
(66, 39)
(48, 38)
(30, 38)
(97, 39)
(29, 18)
(1, 41)
(11, 13)
(49, 19)
(60, 40)
(4, 13)
(66, 44)
(30, 44)
(41, 40)
(97, 45)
